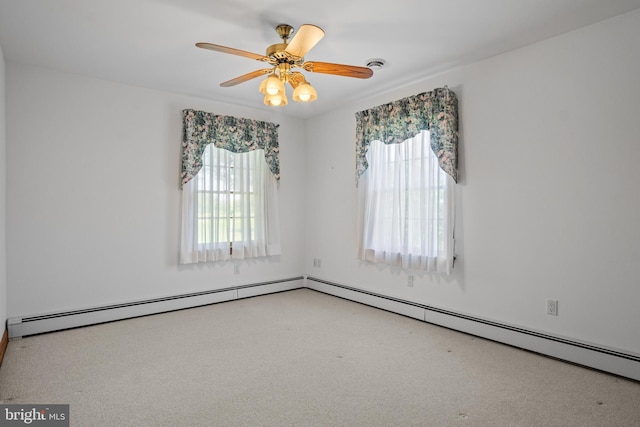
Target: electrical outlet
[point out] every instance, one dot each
(410, 281)
(315, 262)
(552, 307)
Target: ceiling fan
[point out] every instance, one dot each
(284, 58)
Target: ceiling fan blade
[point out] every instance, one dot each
(232, 51)
(305, 38)
(338, 69)
(246, 77)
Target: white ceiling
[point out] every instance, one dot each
(150, 43)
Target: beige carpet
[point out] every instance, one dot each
(302, 358)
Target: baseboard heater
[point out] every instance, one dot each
(30, 325)
(589, 355)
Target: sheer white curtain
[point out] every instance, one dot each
(230, 209)
(407, 213)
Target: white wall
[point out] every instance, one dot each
(93, 196)
(547, 203)
(548, 200)
(3, 198)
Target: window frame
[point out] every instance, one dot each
(228, 192)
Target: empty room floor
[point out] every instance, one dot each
(303, 358)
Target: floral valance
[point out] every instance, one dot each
(230, 133)
(435, 111)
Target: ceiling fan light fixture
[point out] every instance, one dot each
(263, 87)
(272, 85)
(285, 56)
(276, 100)
(305, 93)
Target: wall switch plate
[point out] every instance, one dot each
(552, 307)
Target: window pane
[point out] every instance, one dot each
(226, 202)
(406, 200)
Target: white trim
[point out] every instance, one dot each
(37, 324)
(614, 361)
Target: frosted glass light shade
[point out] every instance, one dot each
(263, 86)
(272, 85)
(305, 93)
(277, 100)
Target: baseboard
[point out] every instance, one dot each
(3, 344)
(30, 325)
(609, 360)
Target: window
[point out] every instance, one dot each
(230, 207)
(229, 180)
(406, 184)
(221, 196)
(407, 211)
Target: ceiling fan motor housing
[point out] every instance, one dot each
(277, 53)
(284, 31)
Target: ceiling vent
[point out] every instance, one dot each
(376, 63)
